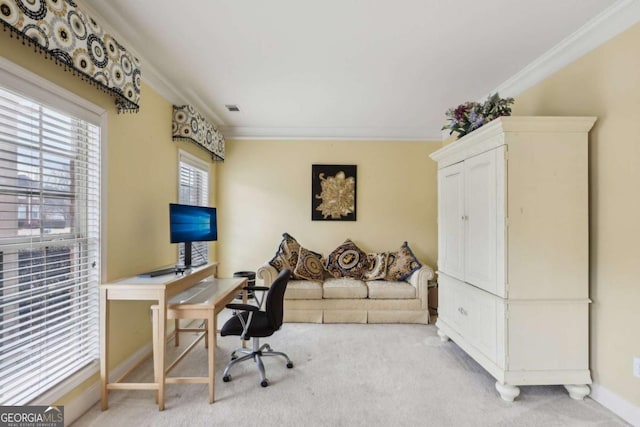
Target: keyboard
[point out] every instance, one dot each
(160, 272)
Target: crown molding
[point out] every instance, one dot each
(150, 74)
(329, 133)
(603, 27)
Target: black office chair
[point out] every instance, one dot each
(250, 322)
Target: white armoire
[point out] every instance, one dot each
(513, 250)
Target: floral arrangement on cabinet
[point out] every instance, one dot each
(470, 116)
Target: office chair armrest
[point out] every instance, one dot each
(262, 289)
(242, 307)
(239, 309)
(256, 288)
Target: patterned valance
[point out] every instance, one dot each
(63, 32)
(190, 124)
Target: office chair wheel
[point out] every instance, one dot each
(264, 383)
(290, 365)
(226, 378)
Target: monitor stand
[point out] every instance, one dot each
(187, 254)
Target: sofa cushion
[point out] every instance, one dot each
(381, 289)
(347, 260)
(309, 266)
(401, 264)
(303, 289)
(344, 288)
(287, 254)
(377, 267)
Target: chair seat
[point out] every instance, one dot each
(260, 326)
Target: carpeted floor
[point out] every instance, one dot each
(349, 375)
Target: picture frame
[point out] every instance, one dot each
(333, 192)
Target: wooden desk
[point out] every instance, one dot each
(158, 289)
(207, 300)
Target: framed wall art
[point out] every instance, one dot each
(333, 192)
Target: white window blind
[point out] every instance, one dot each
(49, 246)
(193, 184)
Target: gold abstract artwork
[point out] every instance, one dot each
(337, 194)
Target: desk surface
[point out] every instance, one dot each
(155, 288)
(157, 281)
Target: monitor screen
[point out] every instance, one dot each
(192, 223)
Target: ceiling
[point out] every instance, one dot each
(350, 69)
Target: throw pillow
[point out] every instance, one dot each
(401, 264)
(347, 260)
(287, 254)
(377, 267)
(309, 266)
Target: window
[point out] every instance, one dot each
(193, 187)
(49, 240)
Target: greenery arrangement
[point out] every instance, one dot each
(472, 115)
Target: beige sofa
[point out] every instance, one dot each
(348, 300)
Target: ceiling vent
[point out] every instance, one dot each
(232, 108)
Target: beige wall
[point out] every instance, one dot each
(141, 179)
(265, 190)
(606, 83)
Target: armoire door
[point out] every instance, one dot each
(451, 220)
(480, 219)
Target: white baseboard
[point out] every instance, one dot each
(616, 404)
(81, 404)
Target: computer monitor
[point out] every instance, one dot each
(189, 224)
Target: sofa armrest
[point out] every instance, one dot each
(268, 274)
(421, 275)
(420, 279)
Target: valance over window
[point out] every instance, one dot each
(191, 125)
(63, 32)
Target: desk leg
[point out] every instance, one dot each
(156, 339)
(104, 350)
(245, 299)
(159, 361)
(211, 335)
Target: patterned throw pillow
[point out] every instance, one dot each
(347, 260)
(377, 267)
(287, 254)
(309, 266)
(401, 264)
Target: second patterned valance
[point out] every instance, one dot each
(189, 124)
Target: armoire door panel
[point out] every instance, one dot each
(450, 218)
(480, 220)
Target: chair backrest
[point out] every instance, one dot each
(275, 299)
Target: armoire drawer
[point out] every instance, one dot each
(474, 313)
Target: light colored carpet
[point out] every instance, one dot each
(349, 375)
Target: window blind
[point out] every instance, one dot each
(193, 184)
(49, 246)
